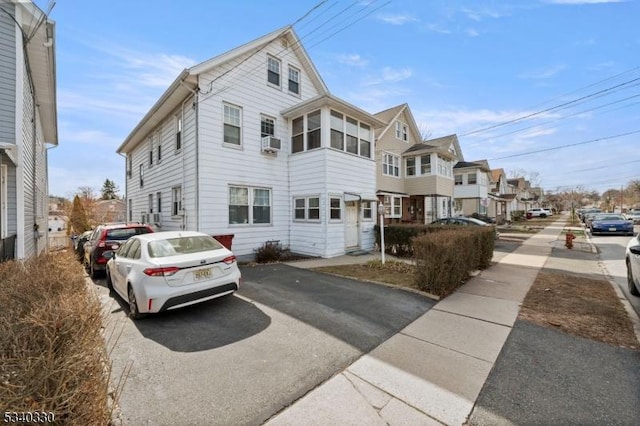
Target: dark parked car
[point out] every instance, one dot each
(483, 217)
(105, 239)
(633, 265)
(79, 243)
(609, 223)
(464, 221)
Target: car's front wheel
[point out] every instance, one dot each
(632, 286)
(134, 313)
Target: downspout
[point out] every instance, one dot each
(197, 147)
(183, 148)
(126, 187)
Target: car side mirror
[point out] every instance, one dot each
(635, 250)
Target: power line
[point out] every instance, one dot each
(565, 146)
(515, 120)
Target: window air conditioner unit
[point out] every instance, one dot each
(271, 144)
(156, 218)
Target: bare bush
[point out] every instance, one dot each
(52, 352)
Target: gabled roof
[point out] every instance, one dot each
(391, 115)
(496, 174)
(480, 164)
(187, 82)
(440, 145)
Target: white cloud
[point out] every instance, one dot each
(437, 28)
(542, 73)
(353, 59)
(471, 32)
(398, 19)
(479, 15)
(389, 75)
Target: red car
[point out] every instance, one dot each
(107, 238)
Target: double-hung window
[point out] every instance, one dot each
(472, 178)
(306, 209)
(249, 205)
(393, 206)
(457, 180)
(297, 135)
(294, 80)
(150, 203)
(335, 212)
(273, 71)
(141, 175)
(337, 130)
(365, 140)
(425, 164)
(267, 126)
(232, 124)
(176, 200)
(411, 166)
(367, 210)
(313, 130)
(150, 152)
(158, 146)
(402, 131)
(390, 165)
(159, 201)
(178, 125)
(352, 135)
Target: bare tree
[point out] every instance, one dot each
(425, 132)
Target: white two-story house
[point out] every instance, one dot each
(472, 180)
(251, 143)
(28, 122)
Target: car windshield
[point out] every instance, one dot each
(182, 245)
(122, 234)
(609, 217)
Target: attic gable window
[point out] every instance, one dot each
(178, 123)
(402, 131)
(273, 71)
(294, 80)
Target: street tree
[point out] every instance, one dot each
(78, 218)
(109, 190)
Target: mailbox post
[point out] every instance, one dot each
(381, 213)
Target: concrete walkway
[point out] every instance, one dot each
(431, 372)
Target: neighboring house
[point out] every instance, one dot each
(28, 121)
(110, 211)
(525, 197)
(251, 143)
(503, 201)
(414, 177)
(472, 187)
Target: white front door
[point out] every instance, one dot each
(352, 224)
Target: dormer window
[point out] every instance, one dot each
(273, 71)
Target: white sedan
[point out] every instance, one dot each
(159, 271)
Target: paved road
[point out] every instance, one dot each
(241, 359)
(612, 250)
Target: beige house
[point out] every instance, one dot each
(414, 178)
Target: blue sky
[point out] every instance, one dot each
(570, 66)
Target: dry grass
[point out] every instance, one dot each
(392, 272)
(52, 353)
(579, 306)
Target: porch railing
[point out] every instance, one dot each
(8, 248)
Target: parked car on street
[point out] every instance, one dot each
(632, 259)
(168, 270)
(634, 215)
(464, 221)
(483, 217)
(106, 238)
(538, 212)
(588, 212)
(79, 244)
(609, 223)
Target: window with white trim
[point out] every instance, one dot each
(150, 152)
(352, 135)
(178, 129)
(297, 135)
(337, 130)
(425, 164)
(273, 70)
(141, 175)
(411, 166)
(158, 147)
(335, 210)
(472, 178)
(390, 164)
(314, 136)
(445, 166)
(365, 140)
(267, 126)
(294, 80)
(248, 205)
(150, 203)
(393, 206)
(159, 201)
(367, 210)
(402, 131)
(306, 209)
(457, 180)
(232, 124)
(176, 200)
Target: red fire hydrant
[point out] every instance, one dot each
(568, 239)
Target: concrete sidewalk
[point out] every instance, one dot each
(432, 371)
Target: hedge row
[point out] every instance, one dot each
(397, 238)
(445, 259)
(52, 352)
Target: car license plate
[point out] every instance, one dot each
(202, 274)
(612, 229)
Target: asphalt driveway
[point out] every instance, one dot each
(243, 358)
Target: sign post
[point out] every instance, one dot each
(381, 213)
